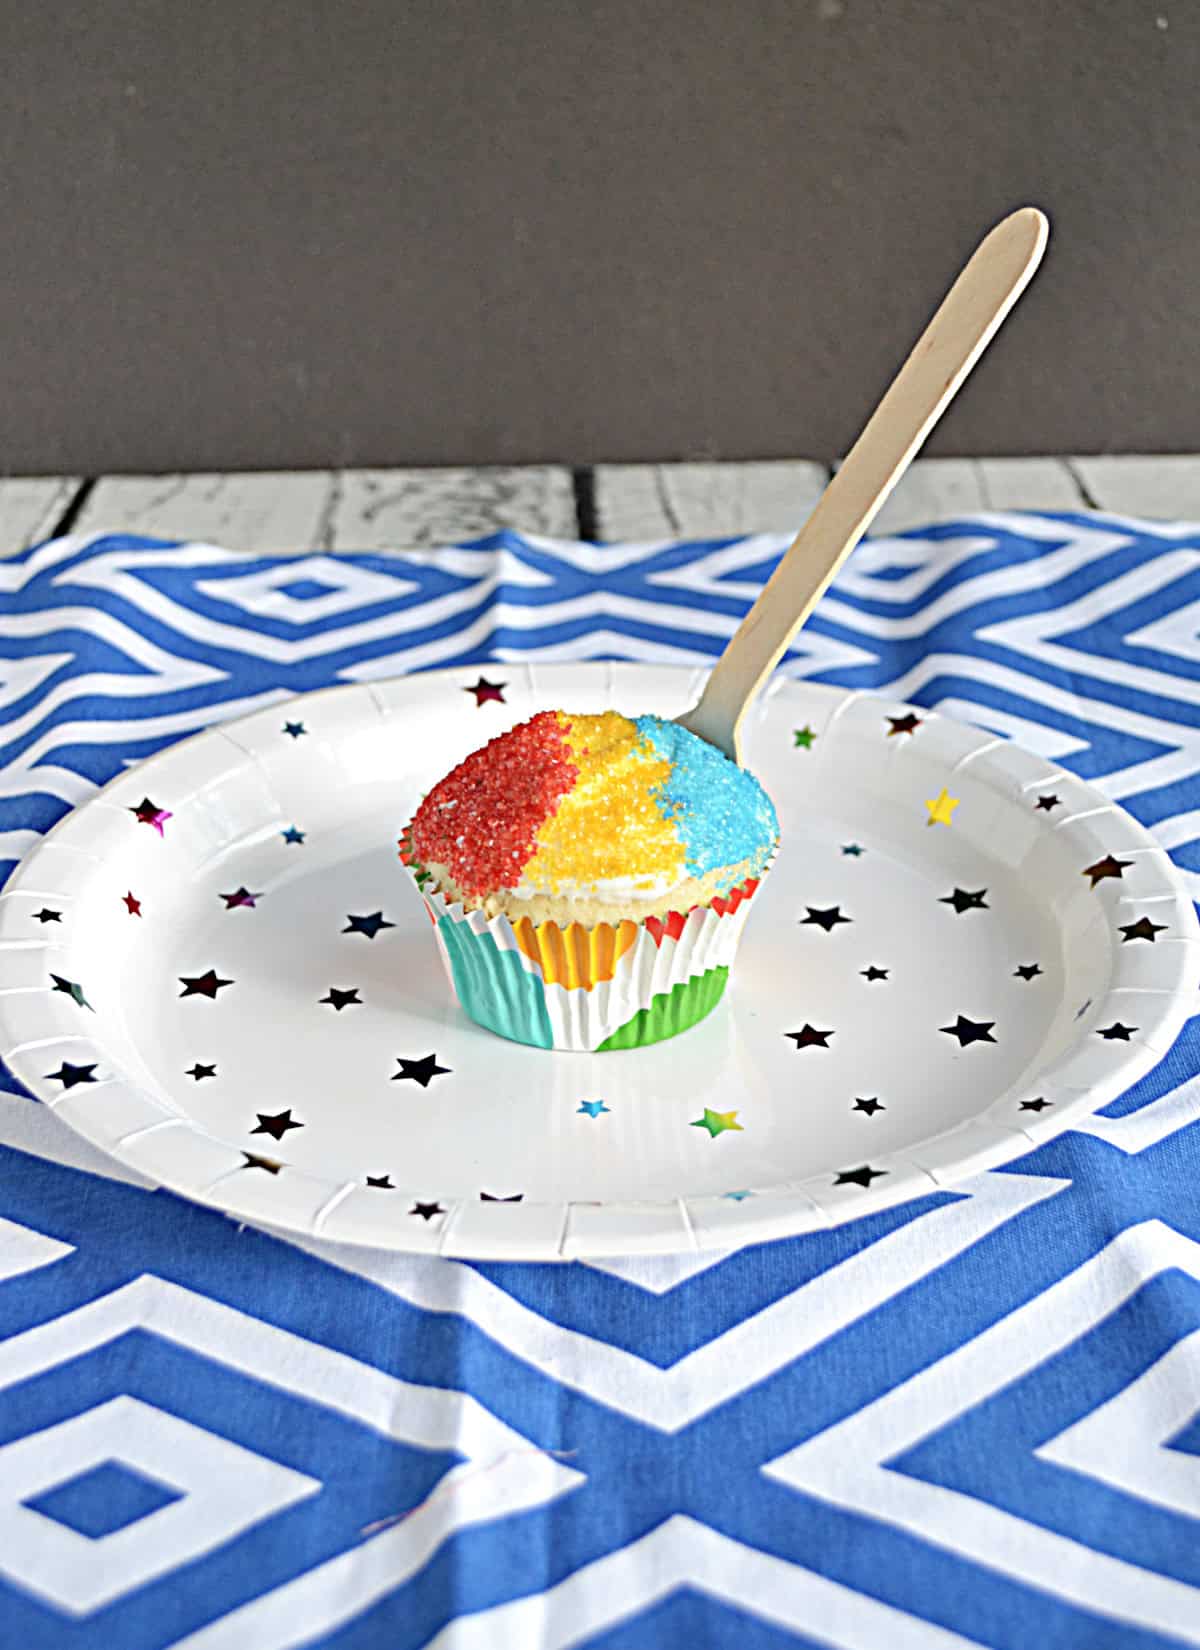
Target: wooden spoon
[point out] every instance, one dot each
(970, 314)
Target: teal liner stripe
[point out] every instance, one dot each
(494, 986)
(670, 1012)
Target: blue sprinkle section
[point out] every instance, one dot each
(721, 812)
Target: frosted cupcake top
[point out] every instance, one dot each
(610, 806)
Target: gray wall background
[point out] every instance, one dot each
(247, 233)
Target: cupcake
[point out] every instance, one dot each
(588, 877)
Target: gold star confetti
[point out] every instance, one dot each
(941, 807)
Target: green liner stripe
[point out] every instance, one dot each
(670, 1012)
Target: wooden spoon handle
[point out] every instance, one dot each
(957, 336)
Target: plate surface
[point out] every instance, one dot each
(218, 972)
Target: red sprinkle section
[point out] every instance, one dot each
(481, 821)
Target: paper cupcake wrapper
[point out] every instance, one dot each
(609, 986)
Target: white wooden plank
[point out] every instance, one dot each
(30, 506)
(1142, 484)
(398, 509)
(260, 510)
(661, 501)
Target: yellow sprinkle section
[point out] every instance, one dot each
(575, 956)
(609, 825)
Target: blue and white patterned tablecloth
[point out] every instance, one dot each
(974, 1420)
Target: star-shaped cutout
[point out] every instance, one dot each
(1142, 929)
(873, 973)
(294, 730)
(276, 1124)
(1039, 1104)
(254, 1161)
(427, 1210)
(963, 900)
(970, 1031)
(592, 1108)
(198, 1072)
(44, 916)
(68, 1075)
(149, 813)
(369, 926)
(240, 897)
(1026, 971)
(382, 1181)
(292, 834)
(1116, 1033)
(903, 724)
(485, 691)
(827, 919)
(941, 807)
(342, 999)
(870, 1107)
(73, 989)
(716, 1122)
(488, 1197)
(202, 985)
(132, 904)
(1109, 866)
(1046, 804)
(858, 1177)
(421, 1071)
(809, 1037)
(804, 738)
(853, 849)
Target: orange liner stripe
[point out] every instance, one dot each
(575, 956)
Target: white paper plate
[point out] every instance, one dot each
(1066, 974)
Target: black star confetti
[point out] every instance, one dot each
(487, 1197)
(810, 1037)
(240, 897)
(1039, 1104)
(970, 1031)
(1116, 1033)
(873, 973)
(827, 919)
(198, 1072)
(421, 1071)
(73, 989)
(369, 926)
(44, 916)
(903, 724)
(427, 1210)
(1046, 804)
(382, 1181)
(853, 849)
(485, 691)
(292, 834)
(870, 1107)
(254, 1161)
(342, 999)
(276, 1124)
(962, 900)
(294, 729)
(1026, 971)
(858, 1177)
(68, 1075)
(201, 985)
(1142, 929)
(1109, 866)
(149, 813)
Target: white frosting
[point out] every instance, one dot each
(605, 890)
